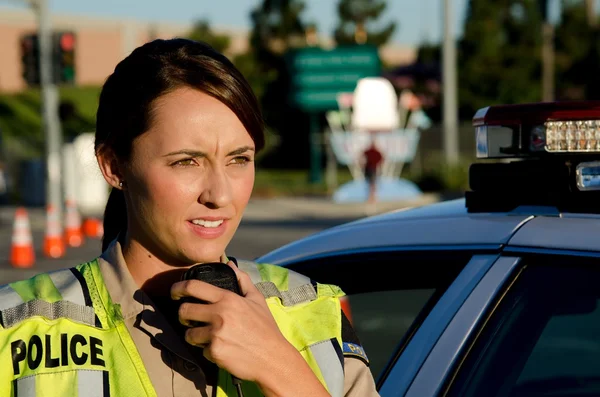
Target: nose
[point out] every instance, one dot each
(216, 192)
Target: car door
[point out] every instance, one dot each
(540, 294)
(401, 299)
(539, 335)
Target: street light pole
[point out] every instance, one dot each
(50, 99)
(449, 88)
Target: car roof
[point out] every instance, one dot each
(446, 224)
(435, 226)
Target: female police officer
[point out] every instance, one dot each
(177, 131)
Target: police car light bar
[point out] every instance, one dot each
(556, 151)
(537, 129)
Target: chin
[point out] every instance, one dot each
(205, 255)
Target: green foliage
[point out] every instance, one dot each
(437, 176)
(202, 31)
(577, 54)
(274, 183)
(499, 54)
(21, 122)
(276, 26)
(499, 59)
(247, 63)
(361, 12)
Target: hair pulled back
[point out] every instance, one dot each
(149, 72)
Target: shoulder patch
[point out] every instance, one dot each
(355, 351)
(351, 346)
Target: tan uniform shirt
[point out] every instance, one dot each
(167, 358)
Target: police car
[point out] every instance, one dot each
(496, 294)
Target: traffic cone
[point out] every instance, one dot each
(54, 245)
(93, 228)
(22, 253)
(345, 303)
(73, 233)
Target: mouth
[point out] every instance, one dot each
(208, 223)
(208, 228)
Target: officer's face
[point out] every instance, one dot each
(189, 178)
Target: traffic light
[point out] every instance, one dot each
(64, 57)
(30, 59)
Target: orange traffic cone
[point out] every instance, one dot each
(22, 253)
(93, 228)
(73, 233)
(54, 245)
(345, 303)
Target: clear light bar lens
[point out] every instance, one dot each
(481, 138)
(588, 176)
(573, 136)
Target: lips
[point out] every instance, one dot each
(208, 228)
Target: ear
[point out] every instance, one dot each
(110, 167)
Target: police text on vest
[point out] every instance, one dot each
(71, 349)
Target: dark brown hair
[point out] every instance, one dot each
(149, 72)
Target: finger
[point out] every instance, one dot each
(191, 314)
(247, 287)
(197, 289)
(206, 353)
(199, 336)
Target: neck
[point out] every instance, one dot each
(149, 272)
(153, 273)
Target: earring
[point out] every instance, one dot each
(120, 184)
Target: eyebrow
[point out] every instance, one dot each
(195, 153)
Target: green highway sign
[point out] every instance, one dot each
(318, 75)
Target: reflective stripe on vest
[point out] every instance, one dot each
(275, 281)
(319, 340)
(54, 295)
(88, 383)
(329, 355)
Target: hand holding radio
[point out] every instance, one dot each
(234, 327)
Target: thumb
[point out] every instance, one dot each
(247, 287)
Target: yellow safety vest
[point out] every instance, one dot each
(61, 334)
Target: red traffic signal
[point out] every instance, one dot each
(67, 42)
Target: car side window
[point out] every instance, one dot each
(542, 339)
(382, 318)
(389, 293)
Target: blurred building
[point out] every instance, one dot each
(103, 42)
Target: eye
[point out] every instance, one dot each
(241, 160)
(184, 163)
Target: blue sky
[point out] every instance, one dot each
(418, 20)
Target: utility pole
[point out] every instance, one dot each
(449, 88)
(547, 54)
(50, 100)
(590, 9)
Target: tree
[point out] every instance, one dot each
(278, 27)
(577, 53)
(499, 54)
(202, 31)
(354, 18)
